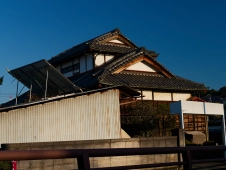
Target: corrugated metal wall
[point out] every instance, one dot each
(88, 117)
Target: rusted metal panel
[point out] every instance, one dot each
(87, 117)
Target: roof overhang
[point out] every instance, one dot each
(43, 78)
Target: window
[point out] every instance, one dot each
(74, 68)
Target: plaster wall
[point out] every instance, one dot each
(108, 57)
(162, 96)
(147, 95)
(100, 59)
(181, 96)
(116, 41)
(141, 67)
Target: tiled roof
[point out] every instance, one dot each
(96, 44)
(107, 47)
(105, 75)
(151, 81)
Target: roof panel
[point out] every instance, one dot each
(36, 74)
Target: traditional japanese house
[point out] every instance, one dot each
(112, 59)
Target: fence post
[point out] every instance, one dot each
(186, 155)
(180, 133)
(83, 162)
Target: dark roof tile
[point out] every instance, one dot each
(105, 75)
(116, 48)
(151, 81)
(94, 44)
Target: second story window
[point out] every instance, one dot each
(74, 68)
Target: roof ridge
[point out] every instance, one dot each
(89, 43)
(112, 44)
(113, 32)
(86, 42)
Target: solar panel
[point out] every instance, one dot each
(43, 77)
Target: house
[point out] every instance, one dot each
(108, 60)
(112, 59)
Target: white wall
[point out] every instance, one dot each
(147, 95)
(191, 107)
(99, 59)
(116, 41)
(181, 96)
(141, 67)
(162, 96)
(108, 57)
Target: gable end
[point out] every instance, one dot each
(147, 60)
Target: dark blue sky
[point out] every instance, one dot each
(190, 35)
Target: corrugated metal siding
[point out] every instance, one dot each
(88, 117)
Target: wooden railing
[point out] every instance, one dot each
(83, 155)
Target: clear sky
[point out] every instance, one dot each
(189, 35)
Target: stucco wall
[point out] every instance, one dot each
(164, 96)
(181, 96)
(96, 162)
(141, 67)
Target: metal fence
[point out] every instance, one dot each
(83, 156)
